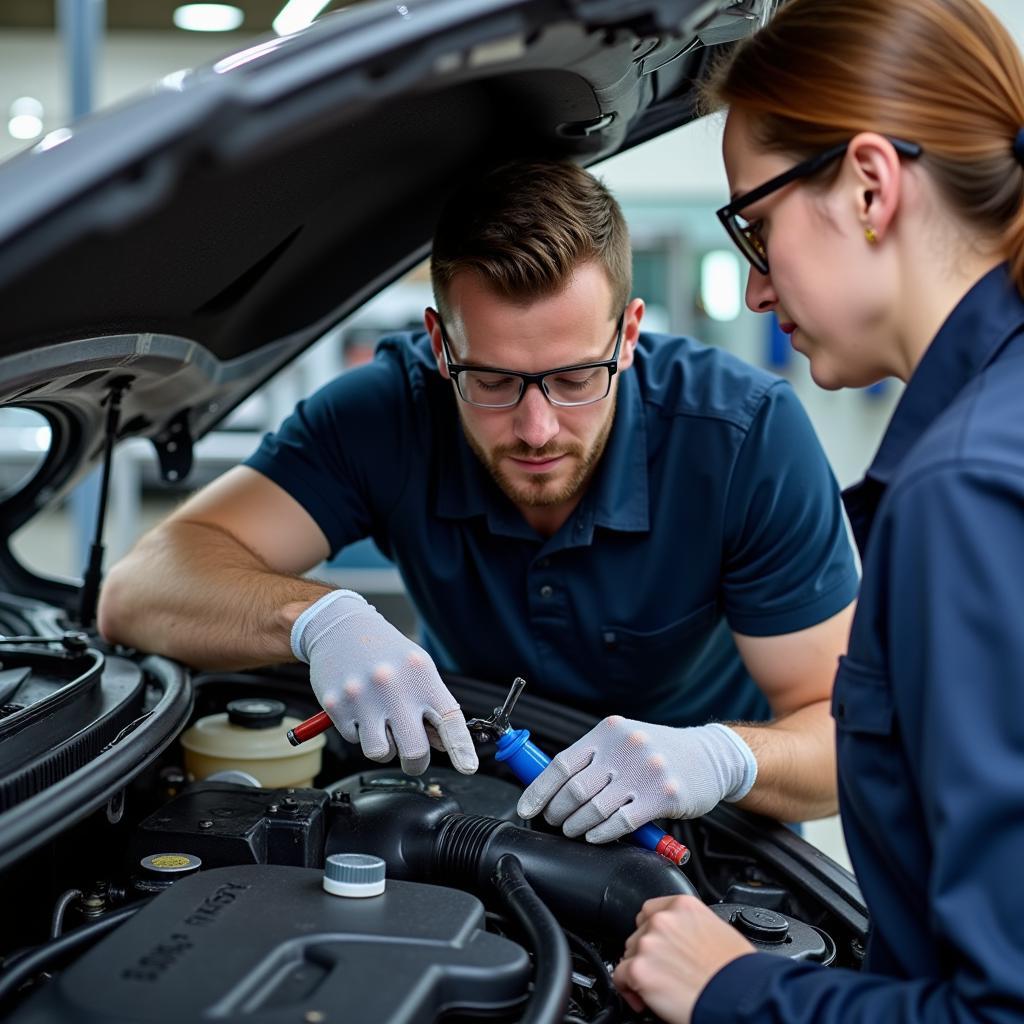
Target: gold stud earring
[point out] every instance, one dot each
(869, 234)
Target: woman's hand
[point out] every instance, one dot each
(679, 945)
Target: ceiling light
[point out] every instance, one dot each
(208, 17)
(720, 285)
(297, 14)
(25, 126)
(25, 120)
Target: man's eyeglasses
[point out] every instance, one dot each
(493, 388)
(747, 233)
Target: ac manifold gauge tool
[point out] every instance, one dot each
(526, 760)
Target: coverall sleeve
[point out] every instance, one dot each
(954, 615)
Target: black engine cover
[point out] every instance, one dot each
(265, 943)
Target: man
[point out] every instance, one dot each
(636, 524)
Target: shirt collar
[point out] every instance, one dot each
(616, 499)
(972, 336)
(984, 320)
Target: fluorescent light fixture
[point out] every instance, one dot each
(208, 17)
(27, 105)
(25, 120)
(297, 14)
(720, 285)
(25, 126)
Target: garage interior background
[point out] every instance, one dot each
(683, 267)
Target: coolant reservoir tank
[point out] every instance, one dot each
(252, 736)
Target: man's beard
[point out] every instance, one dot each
(533, 493)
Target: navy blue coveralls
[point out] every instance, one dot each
(929, 704)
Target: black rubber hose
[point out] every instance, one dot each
(596, 889)
(38, 959)
(551, 982)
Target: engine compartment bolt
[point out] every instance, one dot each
(95, 900)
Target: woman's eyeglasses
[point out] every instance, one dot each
(747, 233)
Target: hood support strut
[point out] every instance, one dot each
(94, 573)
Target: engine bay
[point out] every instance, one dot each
(136, 889)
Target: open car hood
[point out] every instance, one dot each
(177, 252)
(185, 246)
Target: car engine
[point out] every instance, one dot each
(134, 892)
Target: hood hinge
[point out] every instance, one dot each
(174, 448)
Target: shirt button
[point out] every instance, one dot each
(546, 591)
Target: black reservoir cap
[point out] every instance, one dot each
(773, 932)
(256, 712)
(761, 924)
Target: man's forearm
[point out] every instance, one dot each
(796, 765)
(193, 592)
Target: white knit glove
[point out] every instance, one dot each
(623, 774)
(380, 689)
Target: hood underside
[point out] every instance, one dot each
(187, 245)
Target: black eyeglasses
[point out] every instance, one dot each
(493, 388)
(747, 233)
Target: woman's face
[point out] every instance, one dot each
(825, 284)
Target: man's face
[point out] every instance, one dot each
(541, 455)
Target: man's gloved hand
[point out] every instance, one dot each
(378, 687)
(623, 774)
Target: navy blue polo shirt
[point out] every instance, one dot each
(712, 507)
(929, 704)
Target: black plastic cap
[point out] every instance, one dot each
(256, 712)
(761, 924)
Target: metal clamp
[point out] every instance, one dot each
(497, 722)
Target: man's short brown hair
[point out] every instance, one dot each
(525, 227)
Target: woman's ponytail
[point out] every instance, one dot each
(942, 73)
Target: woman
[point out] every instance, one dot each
(876, 153)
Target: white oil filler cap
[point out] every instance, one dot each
(354, 874)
